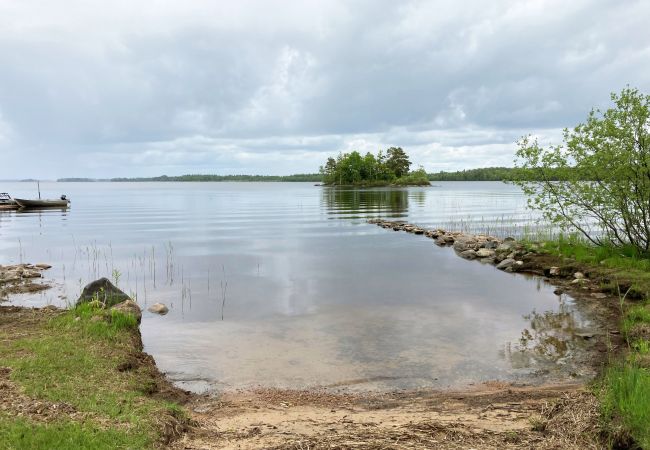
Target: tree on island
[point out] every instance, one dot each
(383, 169)
(398, 161)
(602, 174)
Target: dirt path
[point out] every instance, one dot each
(494, 416)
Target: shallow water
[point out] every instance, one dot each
(286, 285)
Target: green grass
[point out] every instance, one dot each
(18, 433)
(635, 315)
(73, 358)
(627, 397)
(626, 271)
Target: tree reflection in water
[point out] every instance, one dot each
(551, 338)
(359, 203)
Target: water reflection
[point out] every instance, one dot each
(355, 203)
(551, 338)
(309, 302)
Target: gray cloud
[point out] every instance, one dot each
(98, 89)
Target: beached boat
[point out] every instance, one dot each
(6, 202)
(62, 202)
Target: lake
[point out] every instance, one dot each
(286, 285)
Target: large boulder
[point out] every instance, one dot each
(129, 307)
(104, 291)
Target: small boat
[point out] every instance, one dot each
(62, 202)
(6, 202)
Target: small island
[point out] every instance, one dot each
(384, 169)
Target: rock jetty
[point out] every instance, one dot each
(506, 254)
(510, 255)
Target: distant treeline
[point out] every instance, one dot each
(315, 177)
(492, 174)
(484, 174)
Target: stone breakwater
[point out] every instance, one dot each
(506, 254)
(511, 256)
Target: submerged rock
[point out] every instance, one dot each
(158, 308)
(104, 291)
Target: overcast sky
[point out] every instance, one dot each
(141, 88)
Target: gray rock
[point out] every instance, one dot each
(554, 271)
(578, 275)
(31, 274)
(441, 241)
(490, 244)
(485, 253)
(129, 307)
(505, 247)
(499, 257)
(460, 245)
(104, 291)
(158, 308)
(468, 254)
(506, 263)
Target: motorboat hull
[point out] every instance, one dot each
(25, 203)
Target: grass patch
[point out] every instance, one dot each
(627, 399)
(73, 358)
(625, 270)
(19, 433)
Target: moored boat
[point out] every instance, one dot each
(6, 202)
(62, 202)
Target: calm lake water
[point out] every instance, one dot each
(286, 285)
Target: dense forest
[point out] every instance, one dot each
(483, 174)
(390, 168)
(501, 174)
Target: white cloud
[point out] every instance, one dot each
(124, 88)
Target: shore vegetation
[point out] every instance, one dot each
(599, 193)
(611, 150)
